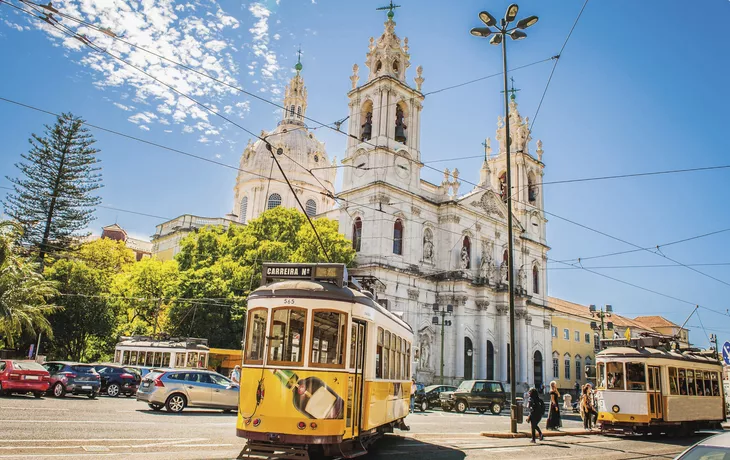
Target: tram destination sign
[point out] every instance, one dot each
(336, 273)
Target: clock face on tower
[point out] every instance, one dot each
(402, 167)
(361, 163)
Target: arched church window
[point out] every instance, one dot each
(243, 210)
(378, 66)
(311, 208)
(357, 234)
(536, 279)
(274, 201)
(299, 112)
(531, 189)
(400, 126)
(466, 253)
(503, 186)
(291, 110)
(395, 66)
(398, 237)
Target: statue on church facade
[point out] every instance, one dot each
(400, 126)
(465, 258)
(367, 127)
(428, 246)
(503, 273)
(355, 77)
(522, 278)
(485, 269)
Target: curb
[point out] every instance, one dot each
(547, 434)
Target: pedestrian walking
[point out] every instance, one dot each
(553, 421)
(536, 408)
(414, 388)
(236, 375)
(586, 407)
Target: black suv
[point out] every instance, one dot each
(429, 397)
(475, 394)
(116, 380)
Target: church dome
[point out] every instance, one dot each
(298, 152)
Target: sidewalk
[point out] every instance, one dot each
(546, 433)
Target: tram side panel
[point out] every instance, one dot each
(623, 406)
(385, 402)
(693, 408)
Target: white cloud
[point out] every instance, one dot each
(277, 36)
(123, 107)
(12, 25)
(146, 117)
(203, 140)
(144, 127)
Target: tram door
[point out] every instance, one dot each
(359, 338)
(655, 393)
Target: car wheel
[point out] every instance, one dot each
(496, 408)
(446, 408)
(481, 410)
(2, 392)
(424, 406)
(92, 395)
(112, 390)
(461, 406)
(155, 406)
(129, 395)
(176, 403)
(38, 394)
(58, 390)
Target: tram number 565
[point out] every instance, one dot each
(288, 301)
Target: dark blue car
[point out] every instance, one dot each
(74, 378)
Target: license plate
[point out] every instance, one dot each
(32, 377)
(86, 387)
(146, 384)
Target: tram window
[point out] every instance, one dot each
(255, 338)
(287, 335)
(409, 359)
(192, 359)
(399, 363)
(133, 358)
(353, 344)
(328, 338)
(386, 355)
(715, 385)
(615, 376)
(158, 358)
(682, 382)
(708, 384)
(601, 375)
(117, 356)
(691, 382)
(125, 357)
(166, 359)
(673, 385)
(636, 376)
(699, 383)
(379, 355)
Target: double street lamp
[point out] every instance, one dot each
(499, 36)
(444, 322)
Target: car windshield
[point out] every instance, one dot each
(707, 453)
(431, 388)
(28, 366)
(153, 375)
(466, 385)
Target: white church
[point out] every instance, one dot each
(421, 247)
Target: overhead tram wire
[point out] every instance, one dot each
(84, 40)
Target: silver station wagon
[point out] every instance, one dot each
(176, 389)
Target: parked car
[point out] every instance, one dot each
(475, 394)
(139, 372)
(714, 447)
(116, 380)
(177, 389)
(74, 378)
(429, 397)
(23, 377)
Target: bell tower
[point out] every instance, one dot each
(295, 97)
(385, 115)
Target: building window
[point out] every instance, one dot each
(531, 189)
(578, 368)
(356, 234)
(588, 337)
(299, 112)
(291, 110)
(566, 358)
(398, 237)
(535, 279)
(566, 334)
(311, 208)
(243, 210)
(556, 366)
(554, 331)
(577, 336)
(274, 201)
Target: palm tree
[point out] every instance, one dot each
(23, 291)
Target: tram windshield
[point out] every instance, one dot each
(287, 335)
(256, 336)
(636, 376)
(615, 376)
(328, 338)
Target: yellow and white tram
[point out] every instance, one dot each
(650, 390)
(325, 367)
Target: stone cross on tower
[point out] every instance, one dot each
(390, 9)
(512, 91)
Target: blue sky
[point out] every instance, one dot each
(635, 90)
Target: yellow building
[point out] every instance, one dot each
(574, 343)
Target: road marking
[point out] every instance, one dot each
(169, 454)
(92, 440)
(32, 408)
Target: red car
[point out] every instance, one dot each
(23, 377)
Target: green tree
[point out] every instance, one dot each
(145, 291)
(85, 328)
(53, 198)
(24, 293)
(221, 266)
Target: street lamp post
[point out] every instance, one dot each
(499, 37)
(602, 313)
(443, 322)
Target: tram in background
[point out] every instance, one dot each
(326, 369)
(643, 386)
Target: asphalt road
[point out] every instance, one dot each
(76, 427)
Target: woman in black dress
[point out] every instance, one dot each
(553, 421)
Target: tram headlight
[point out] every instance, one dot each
(313, 426)
(257, 422)
(616, 409)
(301, 425)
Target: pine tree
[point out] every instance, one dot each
(53, 198)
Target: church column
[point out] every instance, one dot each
(530, 377)
(502, 355)
(482, 345)
(383, 112)
(522, 361)
(459, 341)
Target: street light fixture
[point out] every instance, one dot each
(443, 323)
(499, 38)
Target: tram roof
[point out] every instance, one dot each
(631, 352)
(323, 290)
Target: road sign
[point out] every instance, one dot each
(726, 353)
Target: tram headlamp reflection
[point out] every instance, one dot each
(615, 409)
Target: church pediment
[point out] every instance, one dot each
(491, 204)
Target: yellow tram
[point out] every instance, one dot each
(326, 369)
(644, 388)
